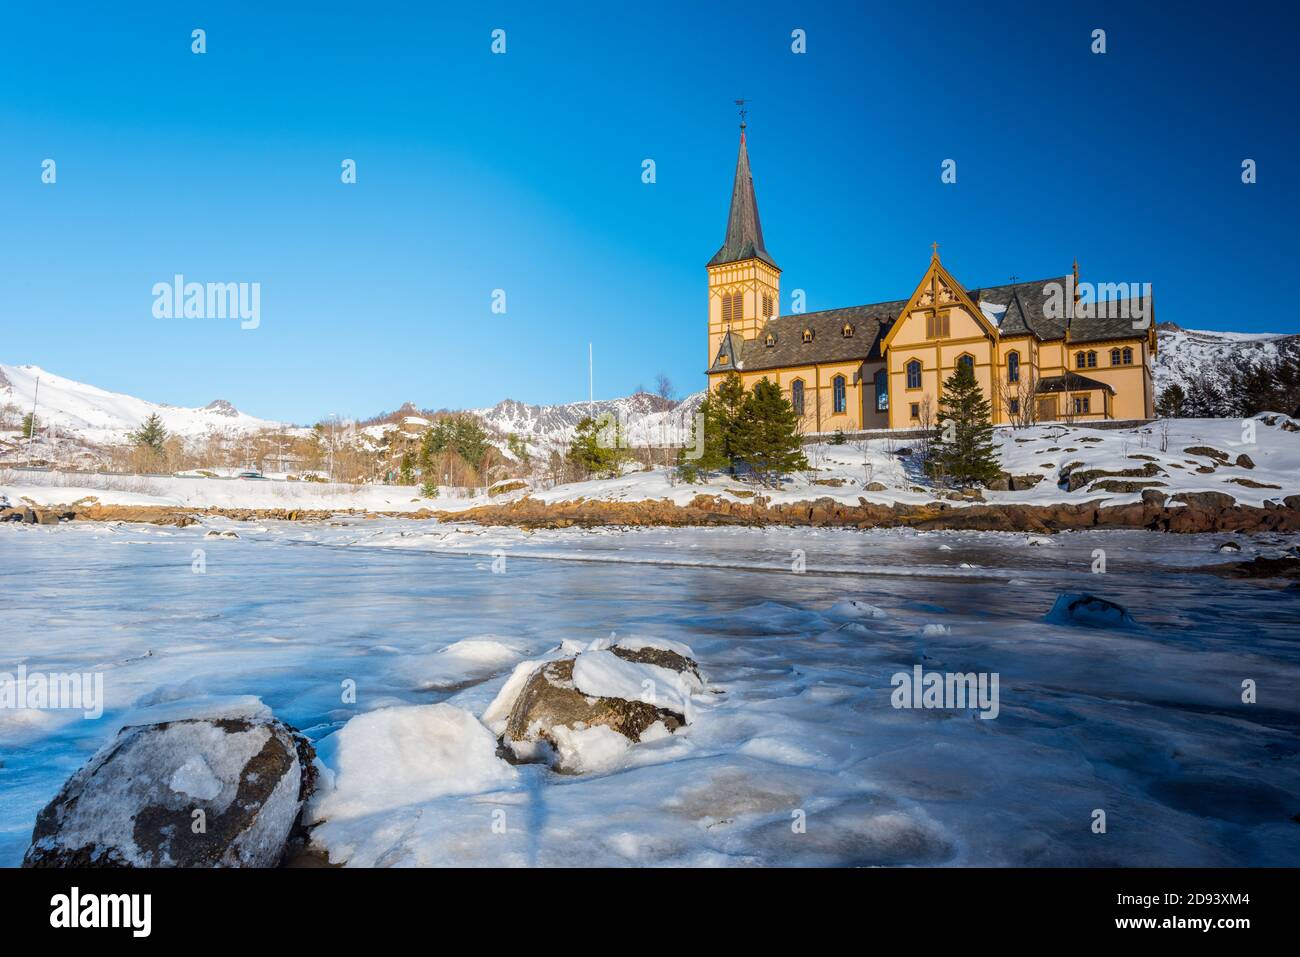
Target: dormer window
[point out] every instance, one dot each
(807, 335)
(723, 359)
(769, 340)
(847, 331)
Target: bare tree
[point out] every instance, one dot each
(1019, 398)
(664, 387)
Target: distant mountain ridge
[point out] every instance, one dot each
(100, 417)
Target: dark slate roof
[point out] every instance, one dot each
(1026, 304)
(1026, 314)
(744, 231)
(731, 346)
(1071, 382)
(870, 324)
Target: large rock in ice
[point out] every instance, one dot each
(582, 711)
(1089, 610)
(197, 792)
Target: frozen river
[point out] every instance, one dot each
(796, 757)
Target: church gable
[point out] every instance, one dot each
(939, 308)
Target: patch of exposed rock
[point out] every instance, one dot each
(552, 709)
(195, 792)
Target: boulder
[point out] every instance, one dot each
(1154, 497)
(1205, 501)
(1089, 611)
(1122, 487)
(137, 802)
(1206, 451)
(1244, 461)
(625, 689)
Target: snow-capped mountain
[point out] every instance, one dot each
(1187, 354)
(99, 417)
(646, 419)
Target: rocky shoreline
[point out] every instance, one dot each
(1187, 512)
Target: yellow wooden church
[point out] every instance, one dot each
(1038, 352)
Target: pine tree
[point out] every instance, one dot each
(962, 446)
(151, 434)
(1172, 402)
(597, 448)
(720, 412)
(766, 436)
(29, 425)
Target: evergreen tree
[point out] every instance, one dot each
(1172, 402)
(28, 425)
(721, 415)
(406, 476)
(151, 434)
(766, 435)
(518, 448)
(597, 448)
(461, 434)
(962, 446)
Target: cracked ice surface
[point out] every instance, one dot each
(1146, 723)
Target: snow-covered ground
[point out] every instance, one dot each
(795, 754)
(872, 470)
(65, 488)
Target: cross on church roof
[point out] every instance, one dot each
(743, 112)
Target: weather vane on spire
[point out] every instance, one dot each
(743, 112)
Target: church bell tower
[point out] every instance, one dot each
(744, 280)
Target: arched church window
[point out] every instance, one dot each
(1080, 360)
(1115, 355)
(1092, 360)
(966, 362)
(838, 394)
(914, 374)
(1128, 356)
(1013, 366)
(882, 391)
(796, 396)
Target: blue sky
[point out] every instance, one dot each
(522, 172)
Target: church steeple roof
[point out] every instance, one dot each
(744, 231)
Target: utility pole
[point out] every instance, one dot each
(31, 435)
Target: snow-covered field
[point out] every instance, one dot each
(795, 754)
(872, 470)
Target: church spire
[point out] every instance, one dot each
(744, 231)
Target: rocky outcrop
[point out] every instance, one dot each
(555, 704)
(1285, 567)
(1075, 480)
(1188, 512)
(196, 792)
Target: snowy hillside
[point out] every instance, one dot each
(1187, 354)
(100, 417)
